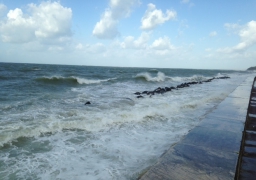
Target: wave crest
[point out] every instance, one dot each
(71, 80)
(147, 77)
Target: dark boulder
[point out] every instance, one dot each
(150, 93)
(140, 96)
(224, 77)
(157, 89)
(167, 89)
(87, 103)
(160, 90)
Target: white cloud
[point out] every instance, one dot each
(185, 1)
(231, 26)
(247, 39)
(49, 22)
(79, 46)
(131, 43)
(55, 20)
(248, 34)
(213, 33)
(96, 48)
(3, 8)
(55, 48)
(154, 17)
(106, 28)
(162, 44)
(121, 8)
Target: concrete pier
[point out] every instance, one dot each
(210, 150)
(246, 166)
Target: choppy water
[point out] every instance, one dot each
(46, 131)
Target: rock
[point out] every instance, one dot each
(140, 96)
(167, 89)
(192, 83)
(157, 90)
(150, 93)
(87, 103)
(224, 77)
(160, 90)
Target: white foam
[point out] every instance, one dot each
(79, 80)
(114, 138)
(196, 78)
(108, 112)
(90, 81)
(147, 76)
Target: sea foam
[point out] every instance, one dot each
(160, 77)
(71, 79)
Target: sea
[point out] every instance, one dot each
(85, 122)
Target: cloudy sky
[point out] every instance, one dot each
(196, 34)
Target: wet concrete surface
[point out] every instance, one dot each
(211, 150)
(246, 168)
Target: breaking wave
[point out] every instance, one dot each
(160, 77)
(71, 80)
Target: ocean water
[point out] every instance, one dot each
(47, 131)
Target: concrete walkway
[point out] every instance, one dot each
(246, 168)
(210, 150)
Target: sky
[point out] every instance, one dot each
(194, 34)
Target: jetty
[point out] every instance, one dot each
(222, 146)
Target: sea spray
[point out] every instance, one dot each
(148, 77)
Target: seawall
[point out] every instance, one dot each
(211, 149)
(246, 166)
